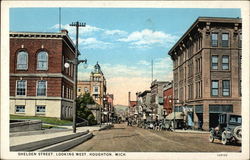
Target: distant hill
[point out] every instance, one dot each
(120, 107)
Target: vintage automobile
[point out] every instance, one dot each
(228, 130)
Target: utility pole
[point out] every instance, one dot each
(76, 61)
(152, 70)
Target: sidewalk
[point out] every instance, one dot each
(190, 131)
(33, 136)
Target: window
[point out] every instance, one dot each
(214, 42)
(86, 90)
(224, 39)
(79, 89)
(225, 87)
(41, 88)
(21, 88)
(225, 62)
(215, 88)
(214, 64)
(42, 61)
(220, 108)
(22, 60)
(40, 109)
(20, 109)
(96, 89)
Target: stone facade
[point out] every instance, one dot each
(207, 70)
(96, 87)
(157, 98)
(39, 83)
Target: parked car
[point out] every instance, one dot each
(228, 130)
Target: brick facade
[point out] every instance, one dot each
(168, 99)
(58, 100)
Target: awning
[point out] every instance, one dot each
(175, 115)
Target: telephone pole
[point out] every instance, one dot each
(76, 61)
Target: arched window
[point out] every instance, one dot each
(22, 60)
(42, 60)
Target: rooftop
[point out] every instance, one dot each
(207, 20)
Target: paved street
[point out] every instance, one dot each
(133, 139)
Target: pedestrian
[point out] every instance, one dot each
(156, 123)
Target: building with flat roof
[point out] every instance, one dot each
(39, 83)
(207, 70)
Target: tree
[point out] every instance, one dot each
(82, 110)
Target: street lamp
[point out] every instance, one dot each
(75, 62)
(177, 101)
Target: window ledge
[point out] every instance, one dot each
(21, 69)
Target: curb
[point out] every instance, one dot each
(105, 127)
(46, 142)
(69, 144)
(46, 131)
(196, 132)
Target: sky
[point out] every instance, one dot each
(124, 41)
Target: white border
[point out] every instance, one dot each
(243, 5)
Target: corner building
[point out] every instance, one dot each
(207, 70)
(39, 83)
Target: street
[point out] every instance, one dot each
(133, 139)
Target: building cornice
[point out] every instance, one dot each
(207, 21)
(39, 98)
(37, 35)
(50, 75)
(46, 35)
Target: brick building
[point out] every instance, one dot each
(207, 70)
(168, 98)
(157, 98)
(39, 83)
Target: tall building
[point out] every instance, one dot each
(143, 103)
(157, 98)
(207, 70)
(96, 85)
(39, 83)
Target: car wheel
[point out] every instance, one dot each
(238, 133)
(224, 138)
(211, 138)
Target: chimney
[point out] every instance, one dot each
(64, 31)
(129, 98)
